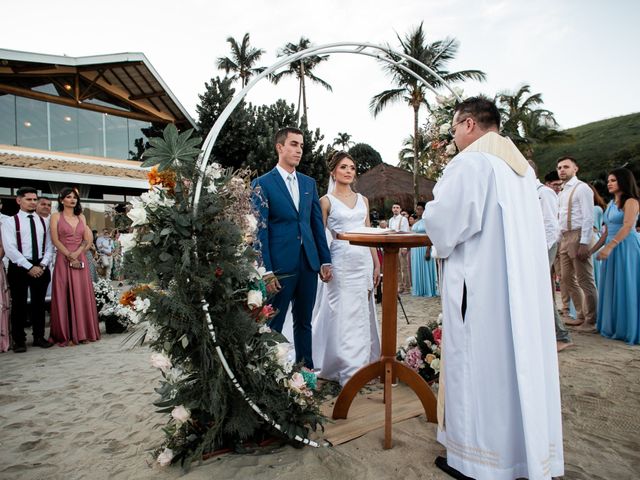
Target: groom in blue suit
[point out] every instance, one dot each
(291, 239)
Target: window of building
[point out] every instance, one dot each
(32, 124)
(7, 119)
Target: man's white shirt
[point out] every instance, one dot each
(10, 243)
(581, 209)
(399, 223)
(549, 205)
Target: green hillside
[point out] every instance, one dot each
(598, 147)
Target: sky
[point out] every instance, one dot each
(582, 55)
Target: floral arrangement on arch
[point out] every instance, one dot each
(422, 352)
(185, 261)
(441, 147)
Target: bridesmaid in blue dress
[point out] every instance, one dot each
(423, 267)
(619, 290)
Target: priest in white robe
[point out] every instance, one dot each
(500, 417)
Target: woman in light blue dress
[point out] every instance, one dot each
(424, 281)
(619, 286)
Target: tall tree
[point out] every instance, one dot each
(525, 122)
(242, 60)
(235, 140)
(301, 69)
(436, 56)
(366, 157)
(343, 140)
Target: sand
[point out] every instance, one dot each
(86, 412)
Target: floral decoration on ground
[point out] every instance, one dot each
(184, 260)
(422, 352)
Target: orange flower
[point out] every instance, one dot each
(128, 297)
(166, 178)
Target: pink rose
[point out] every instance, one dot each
(437, 335)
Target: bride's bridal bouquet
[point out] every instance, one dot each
(421, 353)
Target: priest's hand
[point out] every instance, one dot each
(583, 252)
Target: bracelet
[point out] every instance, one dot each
(614, 240)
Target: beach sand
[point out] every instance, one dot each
(86, 412)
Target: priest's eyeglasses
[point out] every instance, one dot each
(452, 130)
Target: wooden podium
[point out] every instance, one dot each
(388, 369)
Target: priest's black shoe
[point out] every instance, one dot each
(20, 348)
(441, 463)
(42, 343)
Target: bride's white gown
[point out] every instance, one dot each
(345, 330)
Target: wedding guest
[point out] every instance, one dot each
(400, 223)
(74, 317)
(619, 289)
(549, 208)
(424, 281)
(27, 243)
(345, 330)
(43, 209)
(599, 207)
(485, 222)
(2, 215)
(116, 271)
(552, 180)
(5, 305)
(105, 247)
(383, 224)
(576, 222)
(412, 220)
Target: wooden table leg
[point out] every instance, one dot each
(388, 373)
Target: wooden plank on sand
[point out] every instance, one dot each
(367, 414)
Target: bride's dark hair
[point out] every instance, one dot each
(336, 158)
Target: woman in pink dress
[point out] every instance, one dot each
(74, 316)
(4, 305)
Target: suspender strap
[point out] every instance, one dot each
(19, 237)
(571, 205)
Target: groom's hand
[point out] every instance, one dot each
(325, 273)
(271, 283)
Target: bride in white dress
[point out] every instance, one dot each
(345, 329)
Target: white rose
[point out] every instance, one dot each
(164, 459)
(141, 305)
(211, 188)
(435, 365)
(252, 222)
(127, 241)
(161, 361)
(214, 171)
(451, 149)
(254, 298)
(444, 128)
(441, 99)
(297, 383)
(284, 355)
(264, 329)
(181, 414)
(138, 215)
(258, 273)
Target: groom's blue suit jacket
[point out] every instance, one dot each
(283, 230)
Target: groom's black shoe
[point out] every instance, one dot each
(441, 463)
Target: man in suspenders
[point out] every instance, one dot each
(27, 243)
(576, 222)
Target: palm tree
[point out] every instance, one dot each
(242, 60)
(407, 89)
(343, 140)
(524, 122)
(301, 69)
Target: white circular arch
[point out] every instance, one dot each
(382, 53)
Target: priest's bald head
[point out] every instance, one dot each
(472, 119)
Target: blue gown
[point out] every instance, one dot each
(619, 290)
(424, 282)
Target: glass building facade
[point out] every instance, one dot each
(43, 125)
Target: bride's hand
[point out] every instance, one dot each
(376, 276)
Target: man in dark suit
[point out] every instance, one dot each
(291, 239)
(27, 243)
